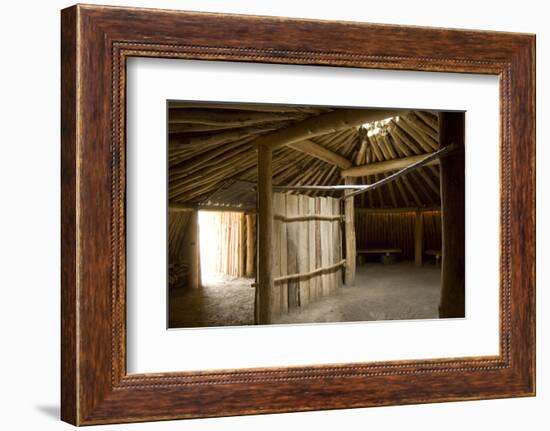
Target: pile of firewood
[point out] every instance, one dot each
(177, 274)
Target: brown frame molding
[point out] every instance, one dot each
(95, 43)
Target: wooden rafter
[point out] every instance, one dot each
(425, 160)
(322, 124)
(227, 118)
(424, 141)
(205, 150)
(315, 150)
(386, 166)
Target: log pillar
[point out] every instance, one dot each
(265, 285)
(250, 245)
(242, 245)
(194, 275)
(451, 131)
(349, 226)
(418, 238)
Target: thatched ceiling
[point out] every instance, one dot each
(212, 158)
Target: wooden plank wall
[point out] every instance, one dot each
(304, 246)
(179, 249)
(432, 230)
(396, 230)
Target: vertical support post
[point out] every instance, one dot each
(194, 251)
(451, 131)
(265, 285)
(250, 244)
(418, 238)
(242, 245)
(349, 224)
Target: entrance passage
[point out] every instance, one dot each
(225, 296)
(222, 238)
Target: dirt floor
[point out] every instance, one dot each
(222, 301)
(381, 292)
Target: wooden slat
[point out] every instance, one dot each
(303, 258)
(250, 244)
(278, 205)
(313, 282)
(336, 243)
(283, 238)
(292, 252)
(325, 244)
(318, 248)
(418, 238)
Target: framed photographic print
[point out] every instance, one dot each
(259, 216)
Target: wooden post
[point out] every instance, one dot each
(242, 245)
(264, 290)
(349, 223)
(250, 246)
(451, 130)
(194, 251)
(418, 238)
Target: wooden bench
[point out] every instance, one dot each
(436, 254)
(387, 255)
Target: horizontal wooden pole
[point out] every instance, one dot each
(425, 160)
(387, 166)
(181, 208)
(386, 251)
(330, 122)
(413, 162)
(397, 210)
(318, 151)
(174, 207)
(338, 187)
(308, 218)
(308, 274)
(311, 273)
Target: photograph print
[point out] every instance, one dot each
(286, 214)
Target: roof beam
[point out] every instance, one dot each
(425, 160)
(318, 151)
(330, 122)
(358, 189)
(387, 166)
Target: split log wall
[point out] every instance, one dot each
(307, 237)
(396, 230)
(183, 250)
(432, 230)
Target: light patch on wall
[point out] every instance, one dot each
(209, 244)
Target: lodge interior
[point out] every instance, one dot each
(291, 214)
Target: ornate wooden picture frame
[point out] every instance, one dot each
(96, 41)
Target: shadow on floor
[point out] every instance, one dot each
(52, 411)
